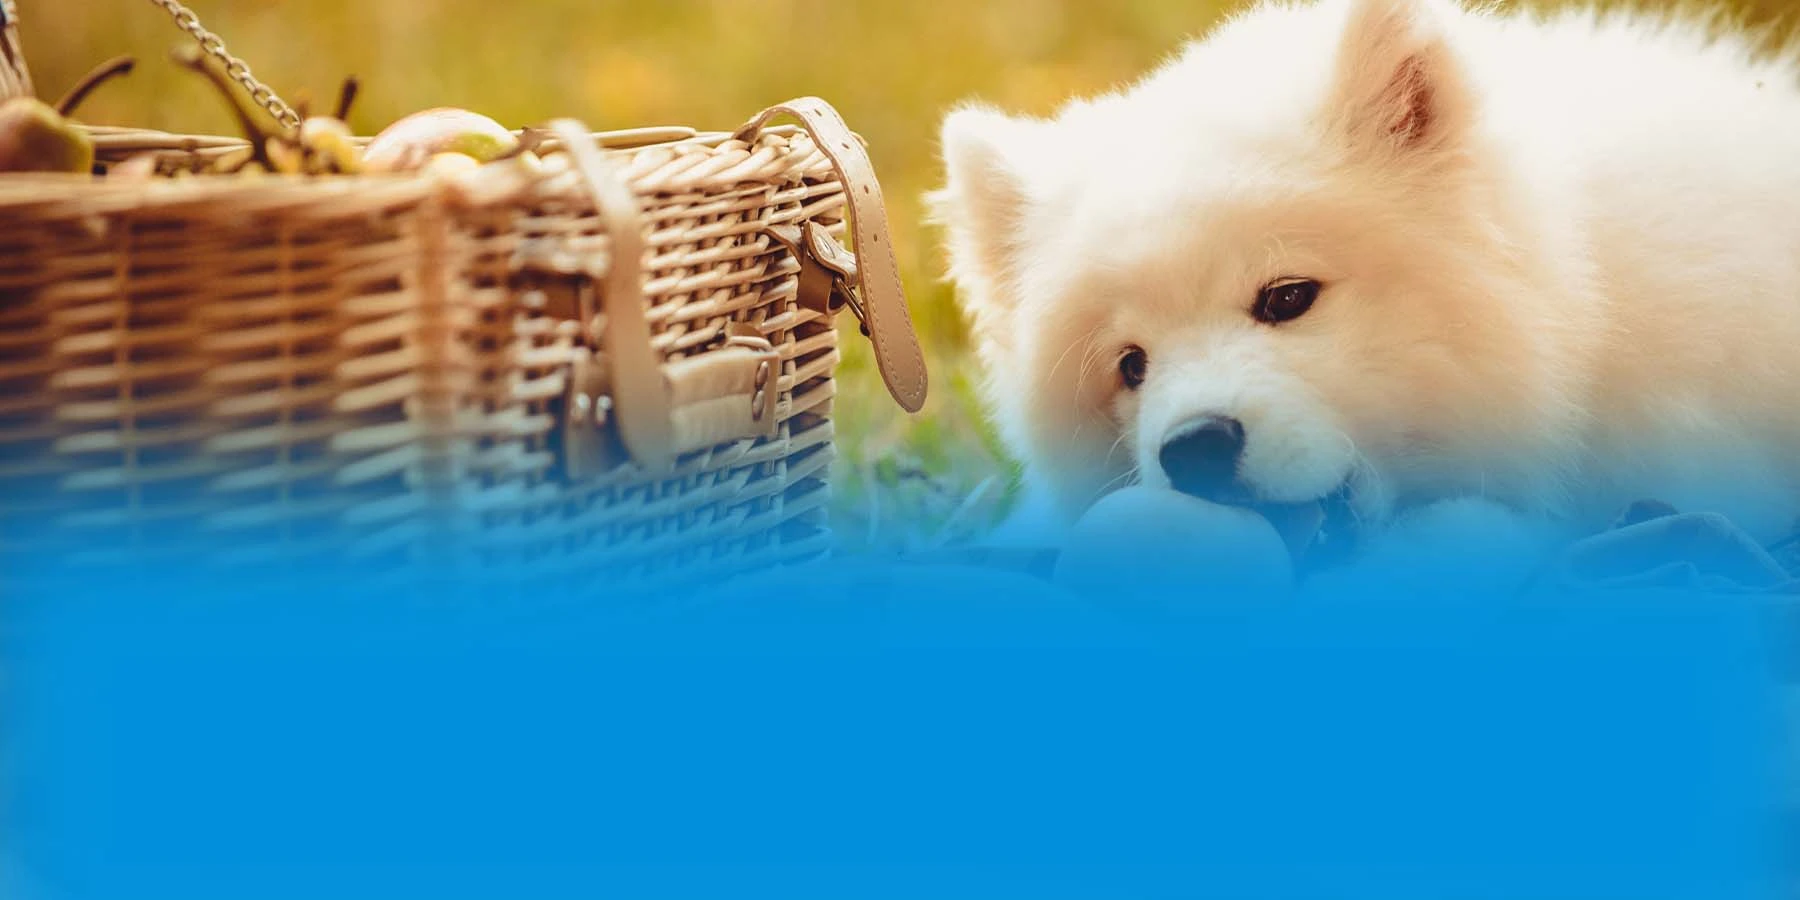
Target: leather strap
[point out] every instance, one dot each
(727, 394)
(640, 394)
(826, 270)
(877, 275)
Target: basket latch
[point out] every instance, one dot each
(726, 394)
(827, 271)
(662, 409)
(730, 392)
(590, 443)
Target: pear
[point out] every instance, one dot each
(34, 137)
(328, 139)
(451, 164)
(323, 147)
(411, 142)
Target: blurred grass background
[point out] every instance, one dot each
(892, 68)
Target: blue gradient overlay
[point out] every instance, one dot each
(859, 728)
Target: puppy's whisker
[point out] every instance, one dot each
(1123, 479)
(1085, 341)
(1375, 482)
(1115, 446)
(1088, 345)
(1089, 357)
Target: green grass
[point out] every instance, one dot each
(892, 68)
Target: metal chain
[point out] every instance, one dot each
(234, 67)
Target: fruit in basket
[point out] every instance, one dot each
(413, 141)
(451, 164)
(38, 137)
(326, 141)
(322, 144)
(323, 147)
(34, 137)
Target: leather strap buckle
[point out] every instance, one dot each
(590, 444)
(880, 297)
(828, 272)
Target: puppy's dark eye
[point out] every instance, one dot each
(1134, 367)
(1284, 301)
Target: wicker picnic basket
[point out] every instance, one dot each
(615, 363)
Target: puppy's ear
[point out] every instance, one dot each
(1400, 89)
(984, 199)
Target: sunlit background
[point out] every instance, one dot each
(892, 67)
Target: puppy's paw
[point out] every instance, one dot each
(1157, 551)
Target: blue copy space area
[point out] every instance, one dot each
(246, 745)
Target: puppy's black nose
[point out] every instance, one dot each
(1200, 456)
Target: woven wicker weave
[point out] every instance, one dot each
(297, 371)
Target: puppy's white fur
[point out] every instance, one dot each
(1560, 258)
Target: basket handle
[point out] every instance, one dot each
(640, 394)
(890, 326)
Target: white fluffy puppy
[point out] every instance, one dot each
(1385, 253)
